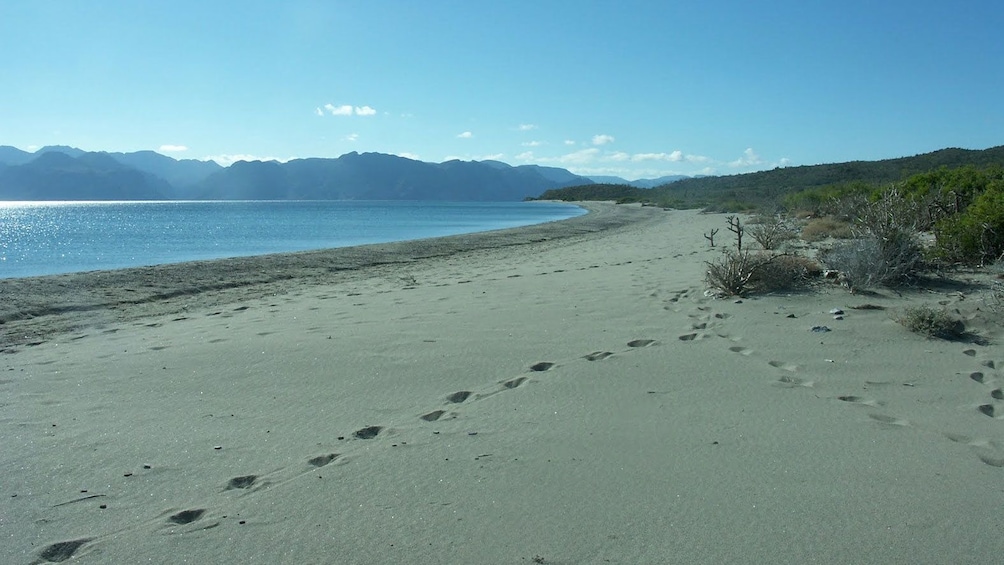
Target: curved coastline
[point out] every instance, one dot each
(36, 307)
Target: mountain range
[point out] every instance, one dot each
(68, 173)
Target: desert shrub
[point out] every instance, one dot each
(870, 261)
(927, 321)
(784, 272)
(975, 236)
(738, 273)
(821, 228)
(994, 297)
(770, 231)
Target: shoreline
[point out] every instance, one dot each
(34, 308)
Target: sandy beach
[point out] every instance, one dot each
(564, 393)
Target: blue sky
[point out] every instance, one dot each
(628, 88)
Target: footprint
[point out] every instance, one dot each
(368, 432)
(515, 382)
(597, 356)
(997, 393)
(700, 326)
(978, 377)
(63, 550)
(991, 460)
(433, 416)
(741, 350)
(322, 460)
(889, 420)
(244, 482)
(987, 410)
(187, 516)
(970, 352)
(459, 397)
(990, 364)
(542, 366)
(641, 342)
(792, 382)
(859, 400)
(689, 337)
(786, 366)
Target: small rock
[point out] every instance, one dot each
(790, 316)
(838, 317)
(837, 312)
(820, 329)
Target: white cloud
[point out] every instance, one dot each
(602, 139)
(351, 137)
(527, 127)
(465, 135)
(784, 162)
(411, 156)
(346, 110)
(531, 144)
(619, 156)
(491, 157)
(343, 110)
(525, 156)
(173, 148)
(749, 159)
(673, 157)
(569, 142)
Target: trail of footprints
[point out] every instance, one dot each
(988, 451)
(193, 519)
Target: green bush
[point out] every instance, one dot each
(975, 236)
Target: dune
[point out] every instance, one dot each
(563, 393)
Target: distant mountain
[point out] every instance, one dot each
(55, 175)
(67, 173)
(377, 176)
(181, 174)
(640, 183)
(71, 151)
(14, 156)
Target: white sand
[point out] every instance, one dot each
(661, 426)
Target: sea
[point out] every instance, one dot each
(45, 238)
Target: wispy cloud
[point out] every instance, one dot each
(168, 148)
(412, 156)
(351, 137)
(749, 159)
(569, 142)
(465, 135)
(602, 139)
(346, 110)
(531, 144)
(527, 127)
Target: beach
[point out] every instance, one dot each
(562, 393)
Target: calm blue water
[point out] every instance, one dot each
(42, 238)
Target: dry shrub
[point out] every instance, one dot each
(870, 261)
(770, 231)
(927, 321)
(738, 273)
(821, 228)
(785, 272)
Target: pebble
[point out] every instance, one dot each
(820, 329)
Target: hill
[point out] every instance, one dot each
(768, 186)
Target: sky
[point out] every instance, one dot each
(636, 89)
